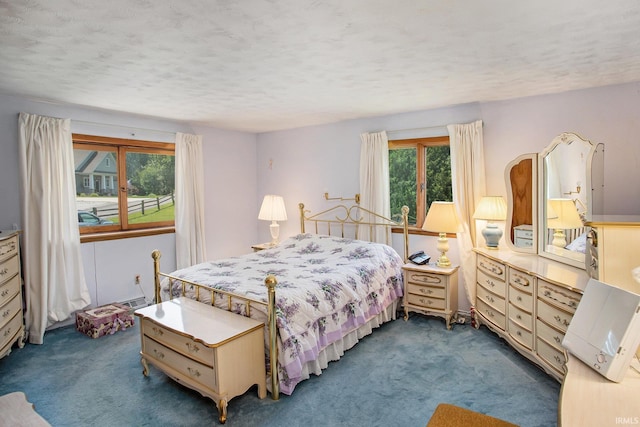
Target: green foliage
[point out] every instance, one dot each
(150, 173)
(403, 182)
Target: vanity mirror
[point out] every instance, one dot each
(521, 223)
(569, 182)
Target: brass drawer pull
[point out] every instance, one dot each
(490, 298)
(6, 313)
(518, 317)
(7, 332)
(4, 271)
(159, 354)
(521, 281)
(557, 339)
(193, 372)
(5, 292)
(426, 291)
(192, 347)
(158, 331)
(428, 302)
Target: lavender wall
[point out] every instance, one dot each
(301, 164)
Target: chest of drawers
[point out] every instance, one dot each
(11, 317)
(431, 290)
(215, 352)
(529, 301)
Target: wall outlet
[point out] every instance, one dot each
(137, 279)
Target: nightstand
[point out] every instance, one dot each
(431, 290)
(262, 246)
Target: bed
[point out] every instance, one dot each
(317, 292)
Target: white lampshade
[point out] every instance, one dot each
(491, 208)
(272, 208)
(442, 218)
(563, 214)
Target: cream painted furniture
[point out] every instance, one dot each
(11, 318)
(215, 352)
(262, 246)
(588, 399)
(431, 290)
(614, 249)
(523, 236)
(529, 301)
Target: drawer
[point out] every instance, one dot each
(9, 289)
(426, 302)
(521, 280)
(10, 309)
(9, 330)
(179, 343)
(558, 296)
(8, 248)
(189, 368)
(521, 317)
(492, 284)
(524, 233)
(521, 299)
(426, 278)
(494, 268)
(550, 335)
(520, 334)
(523, 242)
(554, 317)
(494, 301)
(9, 268)
(552, 356)
(491, 314)
(428, 291)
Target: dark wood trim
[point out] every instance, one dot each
(116, 235)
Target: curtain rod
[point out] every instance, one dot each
(123, 127)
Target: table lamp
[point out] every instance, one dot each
(491, 208)
(442, 218)
(273, 210)
(562, 215)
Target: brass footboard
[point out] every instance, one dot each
(270, 282)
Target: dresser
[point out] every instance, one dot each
(215, 352)
(431, 290)
(11, 317)
(529, 301)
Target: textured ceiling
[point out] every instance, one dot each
(261, 65)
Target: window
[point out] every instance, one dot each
(123, 185)
(419, 173)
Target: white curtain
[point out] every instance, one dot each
(469, 185)
(190, 237)
(53, 273)
(374, 181)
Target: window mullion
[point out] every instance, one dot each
(422, 185)
(123, 190)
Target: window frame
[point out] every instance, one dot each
(420, 144)
(120, 146)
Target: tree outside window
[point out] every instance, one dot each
(419, 173)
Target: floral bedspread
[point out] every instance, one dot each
(327, 287)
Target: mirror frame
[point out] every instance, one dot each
(511, 203)
(563, 138)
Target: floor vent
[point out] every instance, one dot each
(136, 303)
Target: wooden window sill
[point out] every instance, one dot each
(115, 235)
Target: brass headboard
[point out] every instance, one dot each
(348, 221)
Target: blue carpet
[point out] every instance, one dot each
(395, 377)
